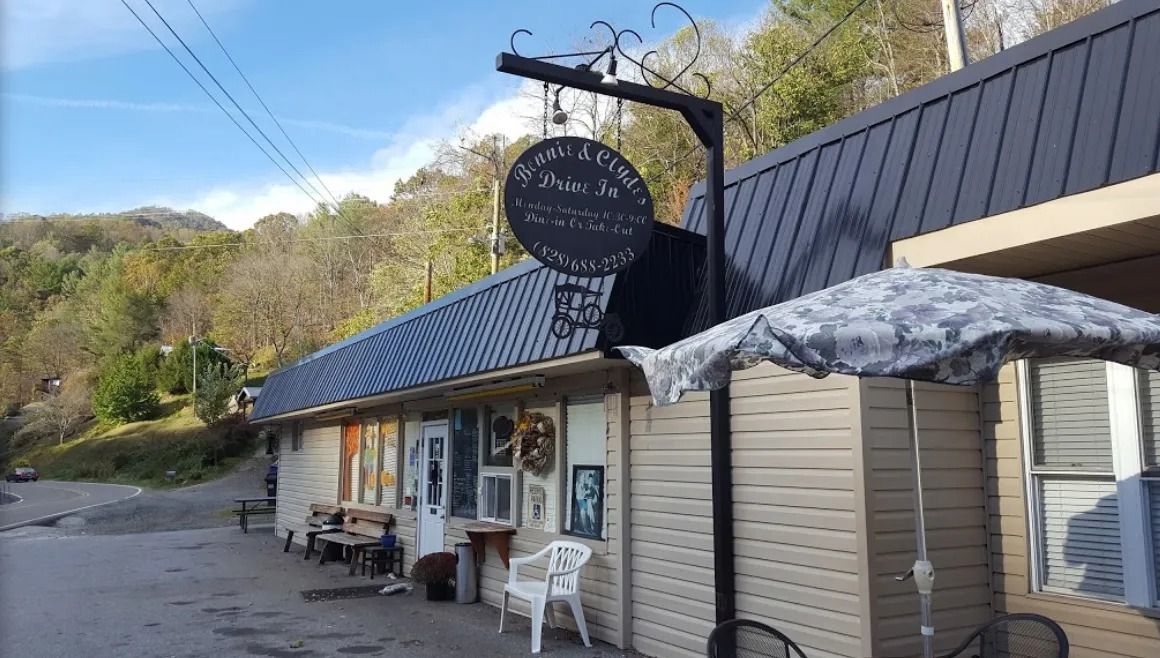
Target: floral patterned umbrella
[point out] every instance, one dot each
(912, 323)
(917, 324)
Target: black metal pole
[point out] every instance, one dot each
(720, 435)
(707, 120)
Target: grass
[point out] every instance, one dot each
(140, 453)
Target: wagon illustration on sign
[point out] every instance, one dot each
(578, 307)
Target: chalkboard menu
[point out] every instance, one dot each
(464, 463)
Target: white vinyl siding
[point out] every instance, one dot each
(1080, 531)
(309, 475)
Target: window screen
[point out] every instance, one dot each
(496, 498)
(1070, 425)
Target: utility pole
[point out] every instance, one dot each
(427, 287)
(956, 40)
(496, 160)
(193, 343)
(495, 225)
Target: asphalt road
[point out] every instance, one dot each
(46, 500)
(217, 592)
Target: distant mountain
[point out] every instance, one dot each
(149, 216)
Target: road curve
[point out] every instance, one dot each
(46, 500)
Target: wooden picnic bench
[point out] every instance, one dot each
(361, 529)
(313, 526)
(260, 506)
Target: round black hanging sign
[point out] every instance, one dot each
(578, 206)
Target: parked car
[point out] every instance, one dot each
(23, 474)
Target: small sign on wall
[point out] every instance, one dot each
(537, 507)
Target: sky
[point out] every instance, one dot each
(96, 117)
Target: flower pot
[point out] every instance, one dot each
(388, 541)
(440, 591)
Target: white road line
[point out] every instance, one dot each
(19, 499)
(19, 524)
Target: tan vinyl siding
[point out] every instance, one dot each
(794, 507)
(952, 467)
(306, 476)
(797, 551)
(671, 557)
(1093, 628)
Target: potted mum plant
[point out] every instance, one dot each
(437, 572)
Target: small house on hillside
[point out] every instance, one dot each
(1043, 490)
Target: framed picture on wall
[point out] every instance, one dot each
(586, 500)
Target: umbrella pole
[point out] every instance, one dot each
(923, 570)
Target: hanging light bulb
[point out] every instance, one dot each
(559, 116)
(610, 75)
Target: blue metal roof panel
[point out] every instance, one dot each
(499, 322)
(1068, 111)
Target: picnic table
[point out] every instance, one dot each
(259, 506)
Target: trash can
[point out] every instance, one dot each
(466, 574)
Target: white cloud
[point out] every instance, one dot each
(35, 32)
(102, 104)
(135, 106)
(239, 205)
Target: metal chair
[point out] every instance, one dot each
(745, 638)
(1019, 635)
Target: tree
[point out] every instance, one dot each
(125, 392)
(216, 386)
(64, 412)
(187, 313)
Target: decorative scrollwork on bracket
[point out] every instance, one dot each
(616, 48)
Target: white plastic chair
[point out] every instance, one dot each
(562, 584)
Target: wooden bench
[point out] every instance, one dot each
(361, 529)
(313, 526)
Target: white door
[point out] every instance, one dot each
(432, 488)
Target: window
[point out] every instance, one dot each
(501, 421)
(389, 438)
(296, 431)
(411, 432)
(465, 463)
(1094, 478)
(495, 498)
(350, 461)
(369, 461)
(586, 450)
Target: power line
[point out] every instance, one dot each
(327, 238)
(216, 101)
(736, 114)
(231, 98)
(262, 102)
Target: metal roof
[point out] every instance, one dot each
(498, 322)
(1069, 111)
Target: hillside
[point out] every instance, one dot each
(147, 216)
(140, 453)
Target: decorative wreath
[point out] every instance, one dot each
(533, 442)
